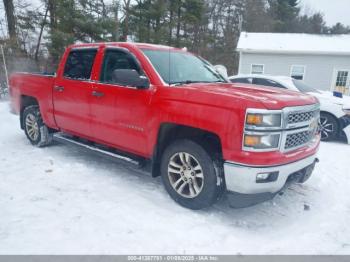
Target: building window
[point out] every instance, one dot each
(298, 72)
(341, 84)
(342, 78)
(257, 69)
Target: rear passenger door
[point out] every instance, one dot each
(72, 92)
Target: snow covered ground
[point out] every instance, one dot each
(61, 200)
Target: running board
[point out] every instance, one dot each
(99, 149)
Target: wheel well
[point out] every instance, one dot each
(330, 114)
(25, 102)
(170, 132)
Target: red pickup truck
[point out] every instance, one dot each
(172, 111)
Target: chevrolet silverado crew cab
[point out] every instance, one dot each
(169, 110)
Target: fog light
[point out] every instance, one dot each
(267, 177)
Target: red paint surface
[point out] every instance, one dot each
(129, 119)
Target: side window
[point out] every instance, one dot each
(79, 64)
(266, 82)
(116, 59)
(242, 80)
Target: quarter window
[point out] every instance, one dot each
(79, 64)
(257, 69)
(298, 72)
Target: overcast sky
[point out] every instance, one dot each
(333, 10)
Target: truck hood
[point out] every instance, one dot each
(271, 98)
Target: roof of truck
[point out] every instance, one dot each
(125, 44)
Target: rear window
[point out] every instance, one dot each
(242, 80)
(266, 82)
(79, 64)
(302, 87)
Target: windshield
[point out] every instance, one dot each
(302, 87)
(176, 67)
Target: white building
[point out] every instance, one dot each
(322, 61)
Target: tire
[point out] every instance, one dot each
(197, 187)
(36, 131)
(329, 127)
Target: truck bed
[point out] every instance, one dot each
(35, 85)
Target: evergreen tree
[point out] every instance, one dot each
(285, 14)
(339, 28)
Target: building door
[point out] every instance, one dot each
(341, 81)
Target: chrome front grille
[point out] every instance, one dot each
(299, 139)
(301, 124)
(300, 117)
(298, 128)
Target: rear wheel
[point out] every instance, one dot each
(36, 131)
(190, 175)
(329, 127)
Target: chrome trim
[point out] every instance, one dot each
(37, 74)
(229, 162)
(284, 121)
(292, 132)
(271, 149)
(298, 110)
(264, 112)
(242, 179)
(284, 130)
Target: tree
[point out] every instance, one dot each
(285, 14)
(256, 17)
(126, 19)
(79, 20)
(11, 20)
(339, 28)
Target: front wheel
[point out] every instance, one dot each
(190, 176)
(329, 127)
(36, 131)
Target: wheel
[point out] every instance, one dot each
(329, 127)
(190, 176)
(35, 129)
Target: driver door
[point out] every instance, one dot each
(120, 113)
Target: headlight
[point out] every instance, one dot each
(266, 142)
(263, 120)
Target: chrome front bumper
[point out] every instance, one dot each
(242, 179)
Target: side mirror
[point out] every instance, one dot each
(130, 77)
(222, 70)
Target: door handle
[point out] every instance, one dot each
(59, 88)
(97, 94)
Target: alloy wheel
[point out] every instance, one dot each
(185, 175)
(32, 127)
(326, 127)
